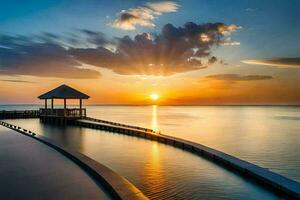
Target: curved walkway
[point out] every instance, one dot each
(279, 183)
(31, 170)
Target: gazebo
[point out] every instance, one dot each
(63, 92)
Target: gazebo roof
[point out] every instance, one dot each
(64, 92)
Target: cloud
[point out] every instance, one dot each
(163, 7)
(15, 81)
(276, 62)
(229, 42)
(95, 37)
(174, 50)
(39, 57)
(237, 77)
(212, 60)
(143, 15)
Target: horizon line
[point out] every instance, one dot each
(25, 104)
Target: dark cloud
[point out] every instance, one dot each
(96, 38)
(47, 37)
(237, 77)
(276, 62)
(23, 56)
(15, 81)
(174, 50)
(213, 60)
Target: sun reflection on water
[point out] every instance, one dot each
(154, 124)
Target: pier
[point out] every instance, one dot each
(277, 182)
(19, 114)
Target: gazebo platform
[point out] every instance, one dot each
(60, 119)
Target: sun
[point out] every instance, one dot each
(154, 96)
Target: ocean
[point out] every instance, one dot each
(268, 136)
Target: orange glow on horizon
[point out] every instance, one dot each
(156, 91)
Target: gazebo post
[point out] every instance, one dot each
(80, 107)
(45, 106)
(65, 107)
(52, 102)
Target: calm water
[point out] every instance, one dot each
(265, 135)
(268, 136)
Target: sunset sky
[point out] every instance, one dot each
(193, 52)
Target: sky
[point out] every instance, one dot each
(192, 52)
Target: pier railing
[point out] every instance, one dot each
(119, 124)
(60, 112)
(17, 114)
